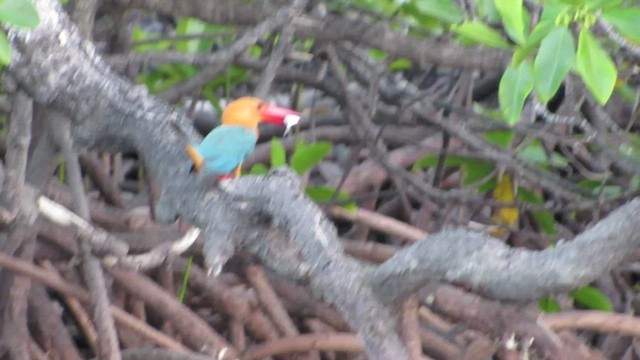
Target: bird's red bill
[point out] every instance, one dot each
(276, 114)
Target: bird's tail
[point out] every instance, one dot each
(193, 153)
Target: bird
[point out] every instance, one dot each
(221, 153)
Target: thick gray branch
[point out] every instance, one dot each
(499, 271)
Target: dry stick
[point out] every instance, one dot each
(52, 281)
(82, 318)
(237, 334)
(272, 304)
(160, 354)
(410, 328)
(22, 231)
(224, 58)
(101, 179)
(47, 320)
(108, 345)
(593, 320)
(302, 301)
(369, 251)
(224, 299)
(157, 255)
(303, 343)
(193, 329)
(381, 223)
(281, 49)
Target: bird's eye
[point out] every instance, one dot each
(261, 105)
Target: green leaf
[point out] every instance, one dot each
(592, 298)
(474, 170)
(5, 49)
(308, 156)
(191, 26)
(278, 153)
(513, 17)
(323, 194)
(595, 67)
(482, 34)
(551, 12)
(19, 13)
(544, 219)
(515, 86)
(445, 10)
(501, 138)
(400, 64)
(137, 34)
(535, 153)
(259, 169)
(603, 4)
(626, 20)
(539, 32)
(487, 10)
(549, 305)
(554, 60)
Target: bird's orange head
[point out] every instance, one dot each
(250, 111)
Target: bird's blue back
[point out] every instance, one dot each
(226, 147)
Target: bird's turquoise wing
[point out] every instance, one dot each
(225, 147)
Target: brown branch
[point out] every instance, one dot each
(410, 328)
(52, 281)
(193, 329)
(379, 222)
(271, 302)
(303, 343)
(600, 321)
(50, 324)
(334, 27)
(281, 49)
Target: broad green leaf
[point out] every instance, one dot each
(544, 219)
(487, 10)
(187, 26)
(445, 10)
(323, 194)
(595, 67)
(549, 305)
(474, 170)
(482, 34)
(573, 2)
(550, 12)
(5, 49)
(278, 153)
(513, 17)
(400, 64)
(592, 298)
(259, 169)
(308, 156)
(137, 34)
(536, 154)
(515, 86)
(539, 32)
(19, 12)
(603, 4)
(626, 20)
(501, 138)
(555, 58)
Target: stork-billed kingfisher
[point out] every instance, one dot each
(222, 151)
